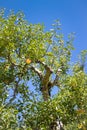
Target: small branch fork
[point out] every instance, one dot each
(45, 79)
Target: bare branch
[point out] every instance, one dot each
(37, 71)
(45, 66)
(56, 80)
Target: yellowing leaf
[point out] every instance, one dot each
(80, 126)
(80, 111)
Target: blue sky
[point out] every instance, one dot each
(72, 15)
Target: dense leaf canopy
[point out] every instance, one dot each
(32, 63)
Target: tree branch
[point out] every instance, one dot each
(56, 80)
(45, 66)
(37, 71)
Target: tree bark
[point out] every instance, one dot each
(45, 89)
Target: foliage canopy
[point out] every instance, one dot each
(32, 63)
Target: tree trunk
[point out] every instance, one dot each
(57, 124)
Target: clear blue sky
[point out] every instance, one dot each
(72, 15)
